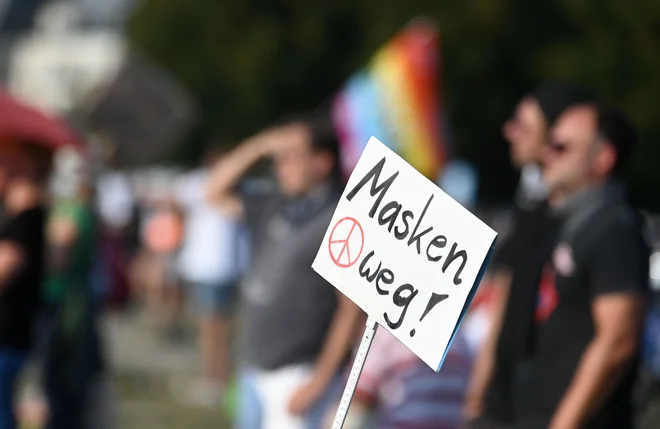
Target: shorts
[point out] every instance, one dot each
(214, 299)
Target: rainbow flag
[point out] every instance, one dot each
(396, 98)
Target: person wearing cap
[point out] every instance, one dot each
(489, 400)
(581, 367)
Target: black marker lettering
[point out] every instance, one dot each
(387, 217)
(439, 241)
(401, 301)
(394, 208)
(387, 277)
(416, 238)
(435, 299)
(453, 255)
(367, 272)
(404, 217)
(376, 188)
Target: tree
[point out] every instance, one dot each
(250, 61)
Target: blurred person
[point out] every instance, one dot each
(114, 198)
(24, 168)
(397, 390)
(583, 363)
(513, 271)
(73, 376)
(116, 204)
(210, 265)
(296, 329)
(163, 235)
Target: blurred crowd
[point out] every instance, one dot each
(553, 339)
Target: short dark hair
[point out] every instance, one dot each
(323, 136)
(556, 96)
(616, 129)
(40, 160)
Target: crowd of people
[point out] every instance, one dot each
(559, 319)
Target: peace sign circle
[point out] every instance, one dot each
(346, 242)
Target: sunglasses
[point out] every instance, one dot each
(557, 147)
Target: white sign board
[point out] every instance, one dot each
(404, 251)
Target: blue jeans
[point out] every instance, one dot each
(11, 364)
(251, 413)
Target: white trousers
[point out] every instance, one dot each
(265, 397)
(275, 389)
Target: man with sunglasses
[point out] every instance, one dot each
(581, 366)
(514, 270)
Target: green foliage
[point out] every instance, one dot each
(250, 61)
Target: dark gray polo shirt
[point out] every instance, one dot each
(287, 307)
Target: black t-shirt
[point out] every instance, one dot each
(523, 254)
(20, 296)
(510, 250)
(607, 255)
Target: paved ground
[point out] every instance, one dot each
(148, 375)
(150, 371)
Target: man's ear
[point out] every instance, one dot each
(324, 164)
(606, 159)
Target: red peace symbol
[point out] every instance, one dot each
(346, 242)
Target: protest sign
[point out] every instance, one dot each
(405, 252)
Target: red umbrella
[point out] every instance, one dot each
(23, 123)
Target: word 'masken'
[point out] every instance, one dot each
(393, 211)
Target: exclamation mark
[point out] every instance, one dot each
(435, 300)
